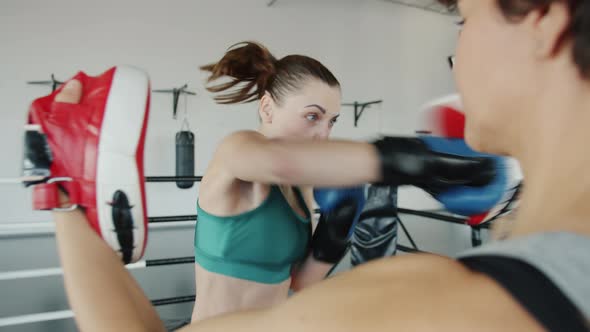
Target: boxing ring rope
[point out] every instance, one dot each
(155, 222)
(173, 178)
(37, 273)
(35, 228)
(5, 229)
(47, 272)
(42, 228)
(13, 229)
(147, 179)
(36, 318)
(65, 314)
(436, 216)
(410, 250)
(428, 214)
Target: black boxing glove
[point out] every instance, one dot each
(409, 161)
(340, 209)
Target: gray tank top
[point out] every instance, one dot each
(564, 258)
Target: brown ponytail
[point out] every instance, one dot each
(253, 70)
(249, 63)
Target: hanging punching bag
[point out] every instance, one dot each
(375, 234)
(185, 157)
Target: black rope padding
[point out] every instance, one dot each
(366, 214)
(410, 250)
(173, 178)
(454, 220)
(174, 300)
(169, 261)
(441, 217)
(407, 234)
(172, 218)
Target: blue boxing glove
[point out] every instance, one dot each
(469, 200)
(340, 210)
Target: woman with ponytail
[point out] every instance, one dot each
(252, 237)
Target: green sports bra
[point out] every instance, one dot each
(260, 245)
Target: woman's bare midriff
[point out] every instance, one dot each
(218, 294)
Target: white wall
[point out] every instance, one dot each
(378, 50)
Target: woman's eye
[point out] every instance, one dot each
(312, 117)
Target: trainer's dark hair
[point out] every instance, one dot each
(579, 27)
(253, 70)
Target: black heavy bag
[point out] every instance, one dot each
(375, 234)
(185, 157)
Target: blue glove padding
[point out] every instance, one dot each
(468, 200)
(330, 200)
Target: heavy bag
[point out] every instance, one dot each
(185, 157)
(375, 234)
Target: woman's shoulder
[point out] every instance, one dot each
(241, 136)
(238, 142)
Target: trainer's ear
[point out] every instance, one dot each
(548, 27)
(71, 93)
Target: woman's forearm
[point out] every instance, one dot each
(328, 163)
(251, 157)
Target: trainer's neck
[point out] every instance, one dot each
(264, 130)
(556, 165)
